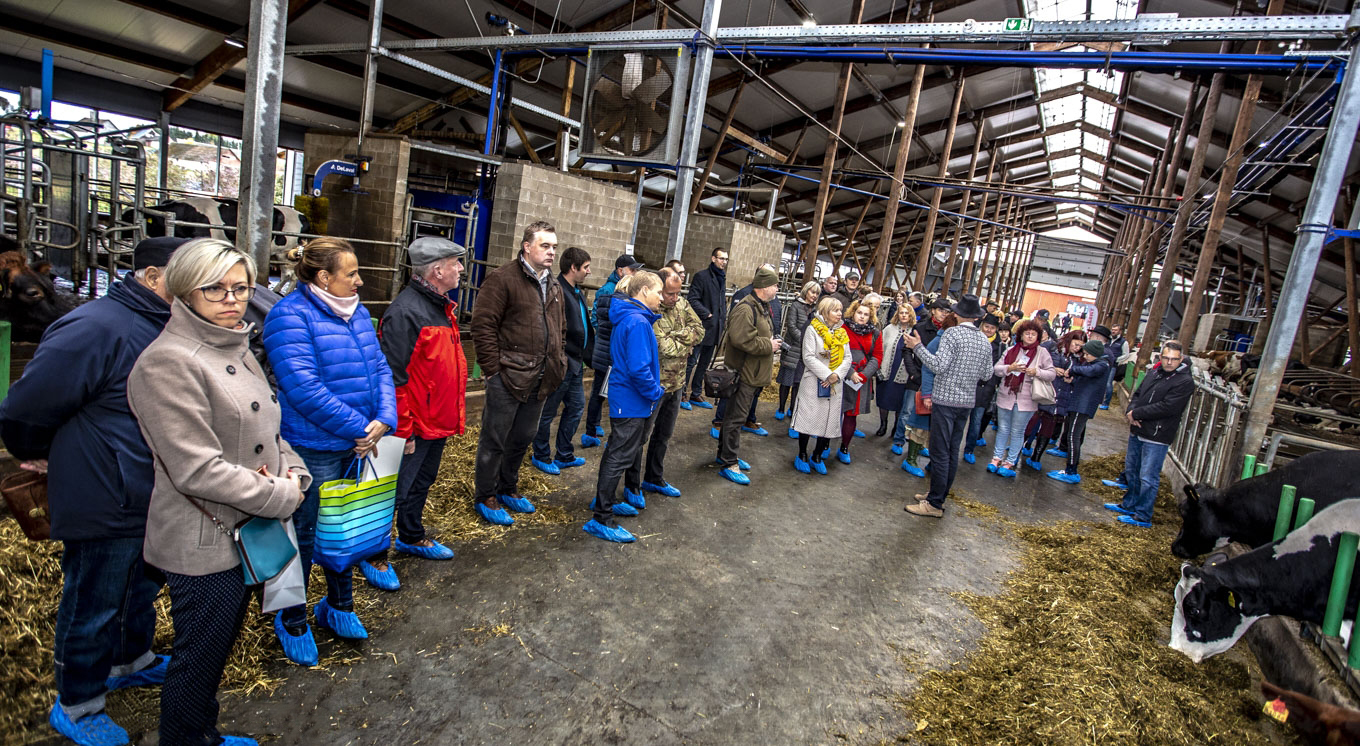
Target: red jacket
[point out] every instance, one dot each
(420, 337)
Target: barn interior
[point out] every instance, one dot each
(1185, 170)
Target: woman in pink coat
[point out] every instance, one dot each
(1025, 361)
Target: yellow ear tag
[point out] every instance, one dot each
(1276, 709)
(1232, 600)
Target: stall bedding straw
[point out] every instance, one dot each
(30, 584)
(1075, 646)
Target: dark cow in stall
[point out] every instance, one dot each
(28, 299)
(221, 212)
(1216, 603)
(1317, 721)
(1245, 511)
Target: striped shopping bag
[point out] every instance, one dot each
(355, 519)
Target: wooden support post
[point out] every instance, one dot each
(969, 286)
(963, 210)
(993, 289)
(566, 112)
(523, 136)
(927, 243)
(1187, 208)
(813, 245)
(717, 147)
(1352, 306)
(902, 254)
(1006, 208)
(850, 239)
(896, 188)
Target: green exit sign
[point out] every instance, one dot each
(1019, 24)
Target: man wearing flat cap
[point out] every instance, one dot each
(963, 360)
(71, 408)
(749, 350)
(423, 346)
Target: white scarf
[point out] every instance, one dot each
(343, 307)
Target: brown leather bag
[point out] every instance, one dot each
(26, 495)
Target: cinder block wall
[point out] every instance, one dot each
(587, 213)
(377, 215)
(748, 246)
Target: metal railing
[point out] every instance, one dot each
(1209, 430)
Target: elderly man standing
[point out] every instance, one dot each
(517, 329)
(71, 408)
(708, 296)
(677, 332)
(750, 350)
(423, 346)
(963, 360)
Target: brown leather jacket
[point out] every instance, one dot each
(518, 334)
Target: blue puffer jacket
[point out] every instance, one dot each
(1061, 387)
(1088, 386)
(601, 355)
(333, 377)
(635, 379)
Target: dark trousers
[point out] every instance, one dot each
(729, 439)
(721, 411)
(699, 360)
(1074, 433)
(977, 420)
(207, 611)
(948, 425)
(595, 403)
(105, 621)
(324, 466)
(508, 426)
(662, 428)
(622, 459)
(415, 476)
(570, 395)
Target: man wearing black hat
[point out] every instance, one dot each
(930, 325)
(963, 360)
(71, 408)
(600, 359)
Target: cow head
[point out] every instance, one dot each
(1209, 617)
(1199, 530)
(30, 301)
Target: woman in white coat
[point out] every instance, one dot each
(826, 360)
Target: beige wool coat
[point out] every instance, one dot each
(210, 418)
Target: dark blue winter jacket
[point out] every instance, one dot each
(635, 379)
(70, 407)
(601, 353)
(1061, 387)
(600, 312)
(333, 377)
(1088, 386)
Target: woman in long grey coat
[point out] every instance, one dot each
(795, 321)
(212, 423)
(826, 360)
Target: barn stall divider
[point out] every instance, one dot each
(1209, 431)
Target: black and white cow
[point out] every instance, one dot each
(219, 212)
(1245, 511)
(1215, 604)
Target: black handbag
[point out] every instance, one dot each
(720, 381)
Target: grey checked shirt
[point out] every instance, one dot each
(965, 357)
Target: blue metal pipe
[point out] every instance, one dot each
(493, 112)
(47, 84)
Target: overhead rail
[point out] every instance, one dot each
(1145, 30)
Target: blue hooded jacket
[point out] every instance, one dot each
(635, 379)
(1088, 385)
(71, 408)
(333, 377)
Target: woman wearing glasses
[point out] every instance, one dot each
(212, 423)
(338, 400)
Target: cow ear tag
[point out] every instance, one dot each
(1232, 600)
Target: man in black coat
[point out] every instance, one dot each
(708, 296)
(574, 268)
(928, 327)
(1154, 417)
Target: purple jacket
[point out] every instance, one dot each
(1006, 399)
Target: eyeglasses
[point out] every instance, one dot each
(217, 293)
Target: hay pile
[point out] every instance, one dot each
(1076, 648)
(30, 583)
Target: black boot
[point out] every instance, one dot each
(882, 423)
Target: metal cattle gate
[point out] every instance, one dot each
(1209, 431)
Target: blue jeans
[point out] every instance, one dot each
(572, 397)
(904, 410)
(1010, 433)
(105, 621)
(1109, 388)
(324, 466)
(974, 428)
(1143, 475)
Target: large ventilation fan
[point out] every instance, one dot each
(634, 103)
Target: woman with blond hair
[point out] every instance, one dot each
(212, 423)
(895, 375)
(826, 362)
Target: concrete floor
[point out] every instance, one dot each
(796, 610)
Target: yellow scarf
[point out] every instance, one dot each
(835, 342)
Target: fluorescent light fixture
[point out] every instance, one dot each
(235, 42)
(809, 22)
(901, 123)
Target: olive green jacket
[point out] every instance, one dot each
(749, 349)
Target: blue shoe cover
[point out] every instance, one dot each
(516, 503)
(1056, 452)
(92, 730)
(343, 623)
(599, 431)
(826, 453)
(589, 441)
(686, 406)
(714, 432)
(991, 468)
(801, 465)
(1104, 406)
(859, 433)
(843, 456)
(981, 442)
(635, 498)
(1034, 464)
(384, 581)
(735, 476)
(238, 741)
(915, 471)
(624, 509)
(779, 414)
(1063, 476)
(743, 465)
(793, 433)
(897, 449)
(608, 533)
(1133, 521)
(925, 453)
(152, 675)
(1002, 471)
(970, 458)
(1117, 508)
(435, 551)
(300, 649)
(661, 489)
(703, 404)
(819, 467)
(578, 461)
(1114, 483)
(498, 517)
(762, 432)
(1027, 451)
(545, 467)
